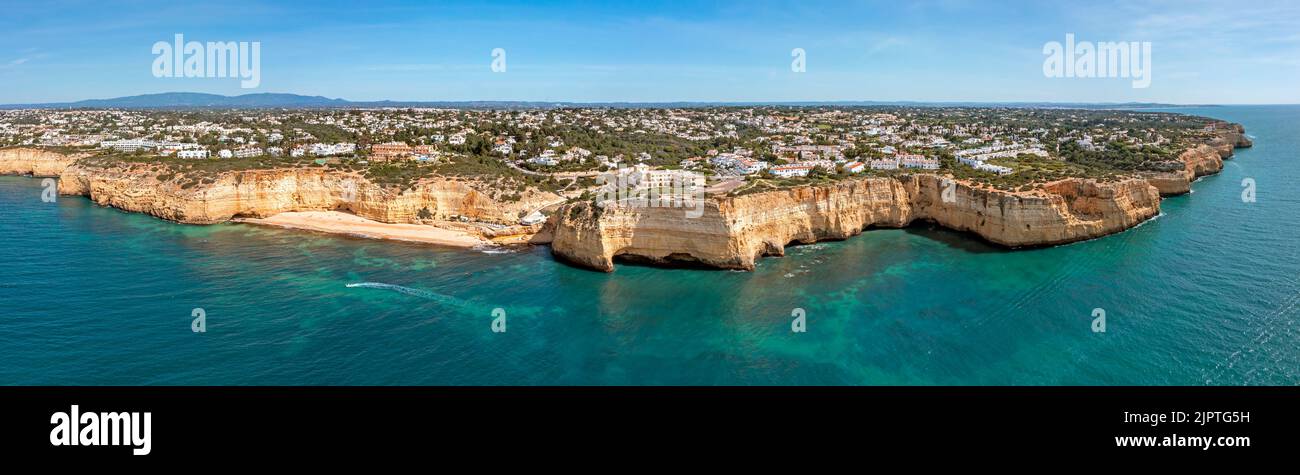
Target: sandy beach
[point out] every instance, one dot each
(336, 222)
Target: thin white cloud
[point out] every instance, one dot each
(422, 67)
(13, 64)
(886, 44)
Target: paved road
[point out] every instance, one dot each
(724, 186)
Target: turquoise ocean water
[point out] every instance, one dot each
(1205, 294)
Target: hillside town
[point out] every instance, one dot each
(719, 147)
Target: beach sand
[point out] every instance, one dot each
(336, 222)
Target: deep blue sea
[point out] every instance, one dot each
(1205, 294)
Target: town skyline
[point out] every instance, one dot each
(261, 100)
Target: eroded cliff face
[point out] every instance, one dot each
(1059, 212)
(1199, 161)
(735, 231)
(1236, 135)
(262, 193)
(1196, 162)
(34, 162)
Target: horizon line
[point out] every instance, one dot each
(344, 102)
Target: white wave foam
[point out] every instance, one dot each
(397, 288)
(1153, 218)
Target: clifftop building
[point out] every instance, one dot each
(389, 151)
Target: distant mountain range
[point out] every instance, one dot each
(194, 100)
(179, 100)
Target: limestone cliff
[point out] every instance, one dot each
(262, 193)
(1235, 134)
(34, 162)
(1198, 161)
(735, 231)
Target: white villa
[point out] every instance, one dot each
(919, 161)
(980, 165)
(884, 164)
(787, 171)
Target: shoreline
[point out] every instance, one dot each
(737, 231)
(337, 222)
(740, 229)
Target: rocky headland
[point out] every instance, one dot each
(733, 232)
(263, 193)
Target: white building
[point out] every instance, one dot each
(670, 179)
(192, 154)
(545, 159)
(787, 171)
(325, 150)
(980, 165)
(664, 183)
(247, 152)
(884, 164)
(131, 145)
(750, 166)
(918, 161)
(1000, 150)
(577, 153)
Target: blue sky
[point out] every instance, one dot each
(943, 50)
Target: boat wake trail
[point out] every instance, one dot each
(406, 290)
(424, 294)
(446, 301)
